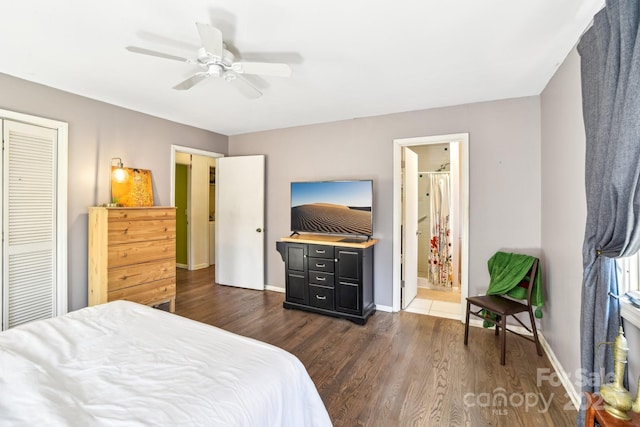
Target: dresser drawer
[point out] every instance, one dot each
(321, 297)
(148, 293)
(320, 251)
(132, 275)
(321, 264)
(135, 253)
(320, 278)
(138, 231)
(141, 214)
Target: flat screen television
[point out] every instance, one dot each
(332, 207)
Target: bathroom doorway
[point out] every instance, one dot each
(438, 261)
(440, 183)
(438, 281)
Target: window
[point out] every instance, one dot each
(628, 269)
(628, 274)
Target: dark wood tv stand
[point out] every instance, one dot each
(330, 275)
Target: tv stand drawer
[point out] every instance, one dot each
(321, 297)
(320, 278)
(321, 264)
(321, 251)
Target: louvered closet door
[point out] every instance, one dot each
(29, 243)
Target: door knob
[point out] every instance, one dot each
(259, 230)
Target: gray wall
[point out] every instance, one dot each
(98, 132)
(504, 175)
(564, 210)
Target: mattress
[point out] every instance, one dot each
(125, 364)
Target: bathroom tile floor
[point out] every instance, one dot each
(436, 303)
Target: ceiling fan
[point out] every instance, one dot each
(215, 60)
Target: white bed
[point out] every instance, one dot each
(123, 363)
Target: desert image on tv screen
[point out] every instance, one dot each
(340, 207)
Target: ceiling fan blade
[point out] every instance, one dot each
(144, 51)
(263, 68)
(245, 88)
(211, 39)
(191, 81)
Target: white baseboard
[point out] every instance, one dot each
(200, 266)
(573, 394)
(555, 363)
(274, 288)
(185, 266)
(385, 308)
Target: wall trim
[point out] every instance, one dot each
(385, 308)
(573, 394)
(201, 266)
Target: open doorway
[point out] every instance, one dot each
(191, 193)
(181, 185)
(431, 224)
(238, 215)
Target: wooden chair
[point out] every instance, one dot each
(502, 308)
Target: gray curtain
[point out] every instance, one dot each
(610, 62)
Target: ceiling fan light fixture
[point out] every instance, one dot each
(215, 70)
(214, 59)
(229, 77)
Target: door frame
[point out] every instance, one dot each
(172, 197)
(463, 140)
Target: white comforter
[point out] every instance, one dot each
(124, 364)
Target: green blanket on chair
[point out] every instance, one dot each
(507, 270)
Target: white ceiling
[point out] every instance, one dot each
(350, 58)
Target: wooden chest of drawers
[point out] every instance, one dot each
(132, 255)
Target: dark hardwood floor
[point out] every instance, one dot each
(400, 369)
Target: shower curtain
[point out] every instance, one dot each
(440, 250)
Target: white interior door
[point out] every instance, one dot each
(240, 221)
(29, 223)
(409, 227)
